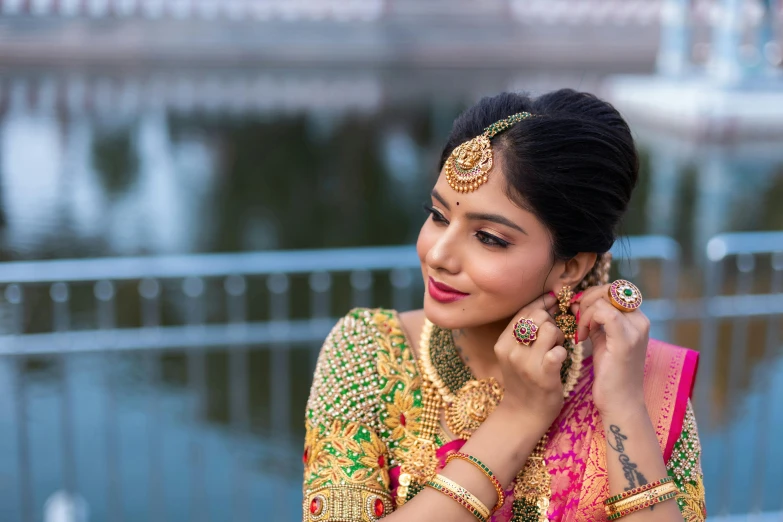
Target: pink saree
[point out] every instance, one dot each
(576, 453)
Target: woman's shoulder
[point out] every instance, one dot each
(369, 323)
(365, 348)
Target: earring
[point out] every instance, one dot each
(565, 320)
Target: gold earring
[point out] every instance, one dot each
(564, 319)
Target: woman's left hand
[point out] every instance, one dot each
(619, 342)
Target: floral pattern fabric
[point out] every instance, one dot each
(364, 413)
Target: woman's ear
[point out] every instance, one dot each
(576, 268)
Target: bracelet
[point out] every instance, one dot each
(626, 494)
(641, 498)
(643, 505)
(461, 495)
(486, 471)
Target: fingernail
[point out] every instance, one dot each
(576, 338)
(576, 297)
(552, 294)
(577, 316)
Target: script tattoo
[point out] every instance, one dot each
(630, 471)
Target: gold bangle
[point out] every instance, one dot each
(460, 495)
(641, 497)
(487, 473)
(645, 487)
(643, 505)
(645, 498)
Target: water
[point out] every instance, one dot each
(104, 163)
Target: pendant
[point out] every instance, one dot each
(472, 405)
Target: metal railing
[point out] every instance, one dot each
(212, 297)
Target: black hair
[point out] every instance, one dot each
(573, 164)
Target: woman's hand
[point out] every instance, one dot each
(531, 374)
(619, 347)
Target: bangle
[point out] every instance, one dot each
(486, 471)
(643, 505)
(641, 498)
(460, 495)
(626, 494)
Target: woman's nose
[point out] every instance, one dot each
(444, 253)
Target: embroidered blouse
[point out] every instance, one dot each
(364, 414)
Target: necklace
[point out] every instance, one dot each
(469, 402)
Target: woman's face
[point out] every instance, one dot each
(484, 246)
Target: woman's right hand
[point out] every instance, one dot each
(531, 374)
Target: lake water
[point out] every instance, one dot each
(108, 163)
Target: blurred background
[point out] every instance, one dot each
(192, 191)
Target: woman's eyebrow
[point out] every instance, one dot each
(479, 216)
(442, 201)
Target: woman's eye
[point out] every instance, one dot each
(485, 238)
(489, 239)
(436, 216)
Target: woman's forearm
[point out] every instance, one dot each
(634, 459)
(503, 442)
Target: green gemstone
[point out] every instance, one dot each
(628, 292)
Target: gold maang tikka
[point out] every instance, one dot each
(469, 164)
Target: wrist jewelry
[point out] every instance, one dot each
(460, 495)
(642, 505)
(486, 471)
(640, 498)
(626, 494)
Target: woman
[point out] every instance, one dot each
(510, 396)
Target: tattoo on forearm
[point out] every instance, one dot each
(630, 471)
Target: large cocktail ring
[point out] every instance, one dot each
(525, 331)
(625, 296)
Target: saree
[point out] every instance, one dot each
(364, 417)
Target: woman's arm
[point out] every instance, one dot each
(633, 459)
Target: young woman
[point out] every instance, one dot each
(526, 389)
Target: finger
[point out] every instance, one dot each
(548, 336)
(545, 302)
(552, 362)
(613, 321)
(580, 309)
(639, 321)
(593, 294)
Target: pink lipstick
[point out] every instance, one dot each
(443, 293)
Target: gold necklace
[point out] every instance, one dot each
(473, 403)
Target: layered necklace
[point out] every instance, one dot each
(448, 383)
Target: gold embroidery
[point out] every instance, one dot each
(691, 501)
(346, 503)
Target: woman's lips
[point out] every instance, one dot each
(443, 293)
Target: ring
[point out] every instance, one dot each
(625, 296)
(525, 331)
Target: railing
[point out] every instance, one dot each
(192, 274)
(62, 307)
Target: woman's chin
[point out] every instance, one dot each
(451, 316)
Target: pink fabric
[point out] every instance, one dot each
(569, 450)
(684, 392)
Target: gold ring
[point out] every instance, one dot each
(525, 331)
(625, 296)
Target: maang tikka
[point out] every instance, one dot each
(469, 164)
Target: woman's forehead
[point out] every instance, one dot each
(490, 197)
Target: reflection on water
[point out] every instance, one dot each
(208, 165)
